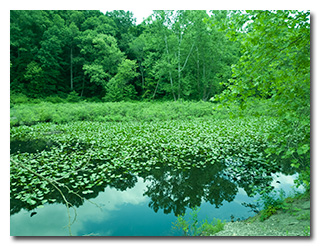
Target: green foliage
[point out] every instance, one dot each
(73, 97)
(181, 57)
(267, 212)
(35, 77)
(194, 227)
(51, 110)
(209, 229)
(18, 99)
(307, 231)
(29, 114)
(275, 66)
(173, 55)
(119, 87)
(102, 55)
(55, 99)
(272, 201)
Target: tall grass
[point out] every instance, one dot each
(28, 114)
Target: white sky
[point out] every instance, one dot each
(141, 14)
(138, 13)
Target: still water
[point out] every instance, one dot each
(131, 212)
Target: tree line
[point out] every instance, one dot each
(171, 55)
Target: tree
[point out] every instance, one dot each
(26, 31)
(102, 57)
(275, 66)
(119, 87)
(50, 54)
(184, 57)
(161, 43)
(178, 55)
(124, 26)
(35, 76)
(213, 54)
(137, 48)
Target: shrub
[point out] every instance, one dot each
(271, 203)
(18, 98)
(54, 99)
(194, 227)
(73, 97)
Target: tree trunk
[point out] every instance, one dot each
(142, 77)
(179, 67)
(82, 87)
(155, 91)
(198, 74)
(171, 81)
(204, 81)
(179, 64)
(71, 76)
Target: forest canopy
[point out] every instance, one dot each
(171, 55)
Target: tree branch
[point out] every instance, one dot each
(52, 182)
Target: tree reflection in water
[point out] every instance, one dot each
(173, 189)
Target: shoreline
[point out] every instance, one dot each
(291, 220)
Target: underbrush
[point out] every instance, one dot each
(29, 114)
(275, 201)
(28, 111)
(194, 227)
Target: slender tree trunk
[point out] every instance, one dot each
(179, 67)
(179, 64)
(209, 93)
(198, 73)
(82, 87)
(204, 80)
(171, 81)
(71, 75)
(142, 76)
(155, 91)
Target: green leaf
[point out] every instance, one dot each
(31, 201)
(87, 192)
(303, 149)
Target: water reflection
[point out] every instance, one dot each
(30, 145)
(176, 190)
(125, 213)
(118, 189)
(169, 189)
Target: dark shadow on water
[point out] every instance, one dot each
(30, 146)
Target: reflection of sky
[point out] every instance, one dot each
(49, 221)
(285, 182)
(124, 213)
(120, 213)
(109, 201)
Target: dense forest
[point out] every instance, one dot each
(171, 55)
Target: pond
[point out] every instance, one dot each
(135, 178)
(143, 210)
